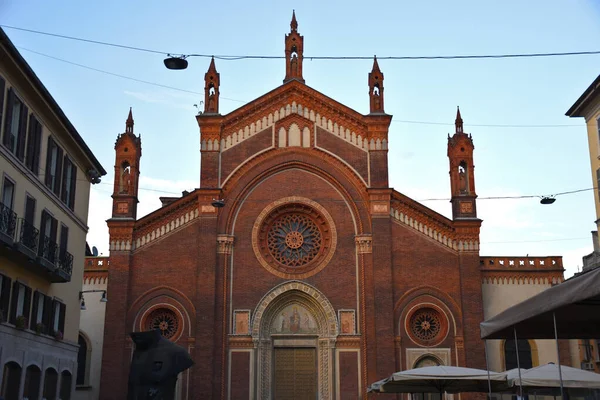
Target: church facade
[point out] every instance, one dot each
(295, 271)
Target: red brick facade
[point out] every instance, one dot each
(292, 150)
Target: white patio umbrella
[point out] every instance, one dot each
(440, 379)
(547, 376)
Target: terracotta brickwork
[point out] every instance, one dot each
(311, 249)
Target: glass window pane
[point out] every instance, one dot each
(7, 193)
(21, 300)
(40, 309)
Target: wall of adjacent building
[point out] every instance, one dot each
(27, 183)
(25, 349)
(92, 329)
(593, 131)
(497, 297)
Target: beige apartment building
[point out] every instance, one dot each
(91, 327)
(588, 107)
(46, 171)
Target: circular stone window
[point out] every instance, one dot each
(427, 326)
(166, 321)
(294, 238)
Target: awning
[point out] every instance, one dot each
(575, 302)
(547, 376)
(440, 379)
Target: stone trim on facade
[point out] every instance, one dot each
(165, 229)
(444, 236)
(225, 244)
(522, 279)
(521, 270)
(333, 126)
(364, 243)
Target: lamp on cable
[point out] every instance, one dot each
(547, 200)
(82, 306)
(176, 63)
(218, 203)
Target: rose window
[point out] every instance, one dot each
(426, 324)
(294, 240)
(165, 321)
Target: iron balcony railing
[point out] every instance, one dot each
(28, 235)
(48, 249)
(8, 221)
(65, 262)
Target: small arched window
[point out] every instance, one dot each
(33, 378)
(82, 361)
(510, 354)
(65, 385)
(50, 384)
(11, 380)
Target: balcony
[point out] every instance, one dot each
(8, 225)
(21, 242)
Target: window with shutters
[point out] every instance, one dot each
(57, 319)
(15, 125)
(5, 283)
(48, 230)
(8, 192)
(20, 302)
(598, 181)
(29, 209)
(34, 144)
(41, 311)
(69, 179)
(64, 242)
(2, 94)
(54, 160)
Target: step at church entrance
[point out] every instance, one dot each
(295, 376)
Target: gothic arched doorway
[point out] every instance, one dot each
(427, 360)
(295, 328)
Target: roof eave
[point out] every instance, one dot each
(585, 99)
(24, 66)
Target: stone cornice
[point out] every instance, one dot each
(520, 270)
(409, 213)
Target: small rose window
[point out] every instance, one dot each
(427, 326)
(165, 320)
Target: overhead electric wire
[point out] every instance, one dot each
(269, 57)
(109, 73)
(84, 40)
(529, 196)
(122, 76)
(242, 101)
(488, 125)
(538, 241)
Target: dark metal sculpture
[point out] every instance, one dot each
(155, 365)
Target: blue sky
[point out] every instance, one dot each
(509, 161)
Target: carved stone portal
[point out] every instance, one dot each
(294, 315)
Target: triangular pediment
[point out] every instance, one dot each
(297, 98)
(294, 98)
